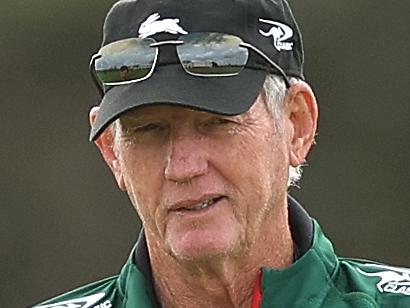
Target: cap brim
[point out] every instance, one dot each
(170, 84)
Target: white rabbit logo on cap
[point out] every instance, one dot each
(153, 26)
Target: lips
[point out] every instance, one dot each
(195, 205)
(202, 205)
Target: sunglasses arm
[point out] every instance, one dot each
(264, 56)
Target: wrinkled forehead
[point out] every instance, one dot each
(168, 112)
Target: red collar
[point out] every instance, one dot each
(257, 292)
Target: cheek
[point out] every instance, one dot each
(258, 171)
(143, 173)
(261, 160)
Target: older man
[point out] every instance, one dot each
(205, 134)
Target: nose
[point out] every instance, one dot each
(186, 159)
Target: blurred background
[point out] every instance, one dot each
(63, 223)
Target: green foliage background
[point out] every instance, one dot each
(63, 223)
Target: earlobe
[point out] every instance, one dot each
(303, 114)
(297, 155)
(105, 144)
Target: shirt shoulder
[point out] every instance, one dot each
(99, 294)
(388, 285)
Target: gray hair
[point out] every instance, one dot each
(274, 90)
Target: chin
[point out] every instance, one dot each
(203, 245)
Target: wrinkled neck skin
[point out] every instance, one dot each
(225, 281)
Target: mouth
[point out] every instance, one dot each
(197, 206)
(203, 205)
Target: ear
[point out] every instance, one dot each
(303, 115)
(105, 144)
(153, 18)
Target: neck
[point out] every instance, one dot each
(226, 281)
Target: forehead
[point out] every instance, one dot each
(160, 109)
(169, 111)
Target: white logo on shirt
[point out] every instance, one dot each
(84, 302)
(280, 33)
(392, 279)
(153, 26)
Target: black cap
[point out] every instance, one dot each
(268, 25)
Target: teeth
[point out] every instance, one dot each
(202, 205)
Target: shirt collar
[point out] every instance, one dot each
(301, 227)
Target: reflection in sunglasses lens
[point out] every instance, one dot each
(207, 54)
(125, 60)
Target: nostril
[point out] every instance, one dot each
(183, 169)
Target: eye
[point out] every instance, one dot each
(149, 127)
(145, 128)
(220, 121)
(221, 125)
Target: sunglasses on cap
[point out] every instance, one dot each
(204, 54)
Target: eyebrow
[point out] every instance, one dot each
(135, 116)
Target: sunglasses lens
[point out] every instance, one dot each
(212, 54)
(125, 61)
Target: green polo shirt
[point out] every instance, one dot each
(318, 278)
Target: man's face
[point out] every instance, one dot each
(203, 184)
(124, 74)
